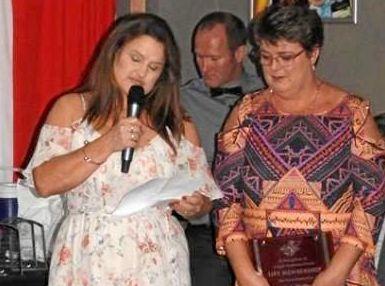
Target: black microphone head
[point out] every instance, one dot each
(135, 95)
(135, 98)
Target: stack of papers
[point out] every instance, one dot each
(159, 190)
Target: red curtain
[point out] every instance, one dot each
(53, 41)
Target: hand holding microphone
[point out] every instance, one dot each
(134, 100)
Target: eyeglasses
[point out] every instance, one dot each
(283, 60)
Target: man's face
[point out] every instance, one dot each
(316, 2)
(217, 64)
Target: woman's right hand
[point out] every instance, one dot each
(252, 279)
(125, 134)
(238, 253)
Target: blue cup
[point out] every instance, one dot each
(8, 200)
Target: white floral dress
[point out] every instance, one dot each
(95, 248)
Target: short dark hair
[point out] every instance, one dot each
(291, 2)
(380, 120)
(235, 28)
(293, 23)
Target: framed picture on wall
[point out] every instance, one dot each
(331, 11)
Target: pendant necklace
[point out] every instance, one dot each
(306, 110)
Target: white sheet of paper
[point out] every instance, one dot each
(159, 190)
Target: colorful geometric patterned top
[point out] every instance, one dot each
(287, 174)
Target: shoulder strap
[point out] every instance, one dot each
(83, 101)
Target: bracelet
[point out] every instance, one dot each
(87, 158)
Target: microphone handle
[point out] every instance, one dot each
(127, 154)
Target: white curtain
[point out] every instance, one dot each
(6, 86)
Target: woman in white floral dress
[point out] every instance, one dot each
(78, 154)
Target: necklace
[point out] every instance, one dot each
(309, 108)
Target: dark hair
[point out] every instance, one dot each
(291, 2)
(162, 103)
(380, 120)
(235, 29)
(293, 23)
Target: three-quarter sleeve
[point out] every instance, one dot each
(53, 141)
(228, 169)
(367, 167)
(228, 175)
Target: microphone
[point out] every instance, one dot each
(134, 100)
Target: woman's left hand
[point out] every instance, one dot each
(193, 206)
(339, 267)
(328, 277)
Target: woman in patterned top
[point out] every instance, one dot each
(79, 155)
(300, 156)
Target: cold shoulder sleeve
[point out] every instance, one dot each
(228, 175)
(53, 141)
(367, 167)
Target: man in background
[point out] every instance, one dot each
(219, 47)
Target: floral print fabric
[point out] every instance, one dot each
(95, 248)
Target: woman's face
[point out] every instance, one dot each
(286, 65)
(139, 62)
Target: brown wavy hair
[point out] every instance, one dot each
(162, 103)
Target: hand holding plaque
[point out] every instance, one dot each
(294, 260)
